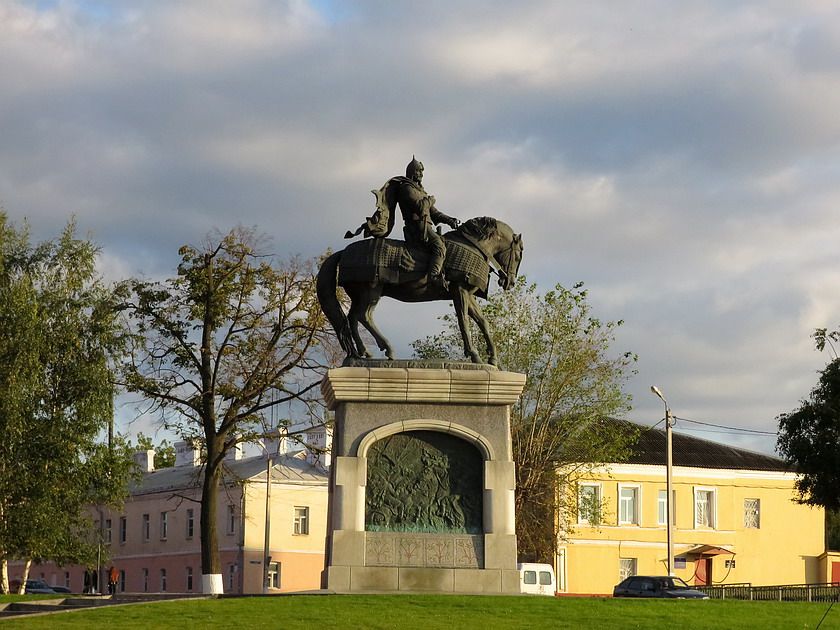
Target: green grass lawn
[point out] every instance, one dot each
(449, 612)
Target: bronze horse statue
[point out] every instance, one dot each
(374, 267)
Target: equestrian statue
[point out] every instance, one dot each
(427, 266)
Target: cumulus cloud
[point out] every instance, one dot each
(680, 158)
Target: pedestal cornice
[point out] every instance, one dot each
(487, 386)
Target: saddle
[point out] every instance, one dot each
(396, 262)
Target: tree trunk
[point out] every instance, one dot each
(4, 576)
(25, 576)
(210, 563)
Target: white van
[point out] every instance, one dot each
(536, 579)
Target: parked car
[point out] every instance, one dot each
(60, 589)
(656, 586)
(38, 587)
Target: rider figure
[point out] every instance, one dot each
(418, 212)
(421, 216)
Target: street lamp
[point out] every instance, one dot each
(669, 508)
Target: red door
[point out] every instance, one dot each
(835, 571)
(703, 572)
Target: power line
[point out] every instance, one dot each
(722, 426)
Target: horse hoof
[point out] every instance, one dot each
(493, 361)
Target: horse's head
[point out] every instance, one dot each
(509, 255)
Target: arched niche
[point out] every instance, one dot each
(424, 481)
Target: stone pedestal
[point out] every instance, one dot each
(471, 403)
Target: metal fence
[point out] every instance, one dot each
(827, 592)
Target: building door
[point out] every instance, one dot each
(835, 571)
(703, 572)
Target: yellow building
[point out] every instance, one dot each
(735, 520)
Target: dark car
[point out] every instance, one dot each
(656, 586)
(38, 587)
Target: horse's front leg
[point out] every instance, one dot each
(460, 299)
(478, 317)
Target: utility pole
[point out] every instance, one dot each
(669, 464)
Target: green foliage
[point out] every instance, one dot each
(574, 384)
(809, 439)
(832, 530)
(164, 451)
(216, 347)
(60, 330)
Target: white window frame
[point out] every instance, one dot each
(147, 527)
(164, 525)
(163, 580)
(106, 532)
(633, 568)
(123, 529)
(274, 575)
(599, 494)
(301, 520)
(190, 523)
(712, 507)
(637, 512)
(188, 580)
(757, 513)
(662, 507)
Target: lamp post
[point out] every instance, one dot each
(669, 508)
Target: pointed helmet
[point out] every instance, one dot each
(413, 167)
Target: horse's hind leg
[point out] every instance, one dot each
(357, 309)
(366, 318)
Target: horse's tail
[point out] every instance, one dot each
(326, 287)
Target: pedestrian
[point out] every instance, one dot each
(113, 578)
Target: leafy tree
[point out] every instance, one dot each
(573, 385)
(214, 348)
(164, 452)
(60, 330)
(809, 439)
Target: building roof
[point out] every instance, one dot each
(696, 452)
(286, 469)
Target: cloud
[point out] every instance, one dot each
(681, 158)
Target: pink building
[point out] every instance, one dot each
(154, 541)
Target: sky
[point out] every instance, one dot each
(681, 159)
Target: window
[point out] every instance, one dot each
(663, 507)
(67, 579)
(626, 568)
(301, 520)
(163, 580)
(164, 524)
(189, 579)
(589, 503)
(545, 578)
(122, 581)
(123, 529)
(190, 522)
(274, 575)
(231, 577)
(530, 577)
(145, 580)
(704, 508)
(106, 533)
(231, 519)
(752, 513)
(147, 528)
(628, 505)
